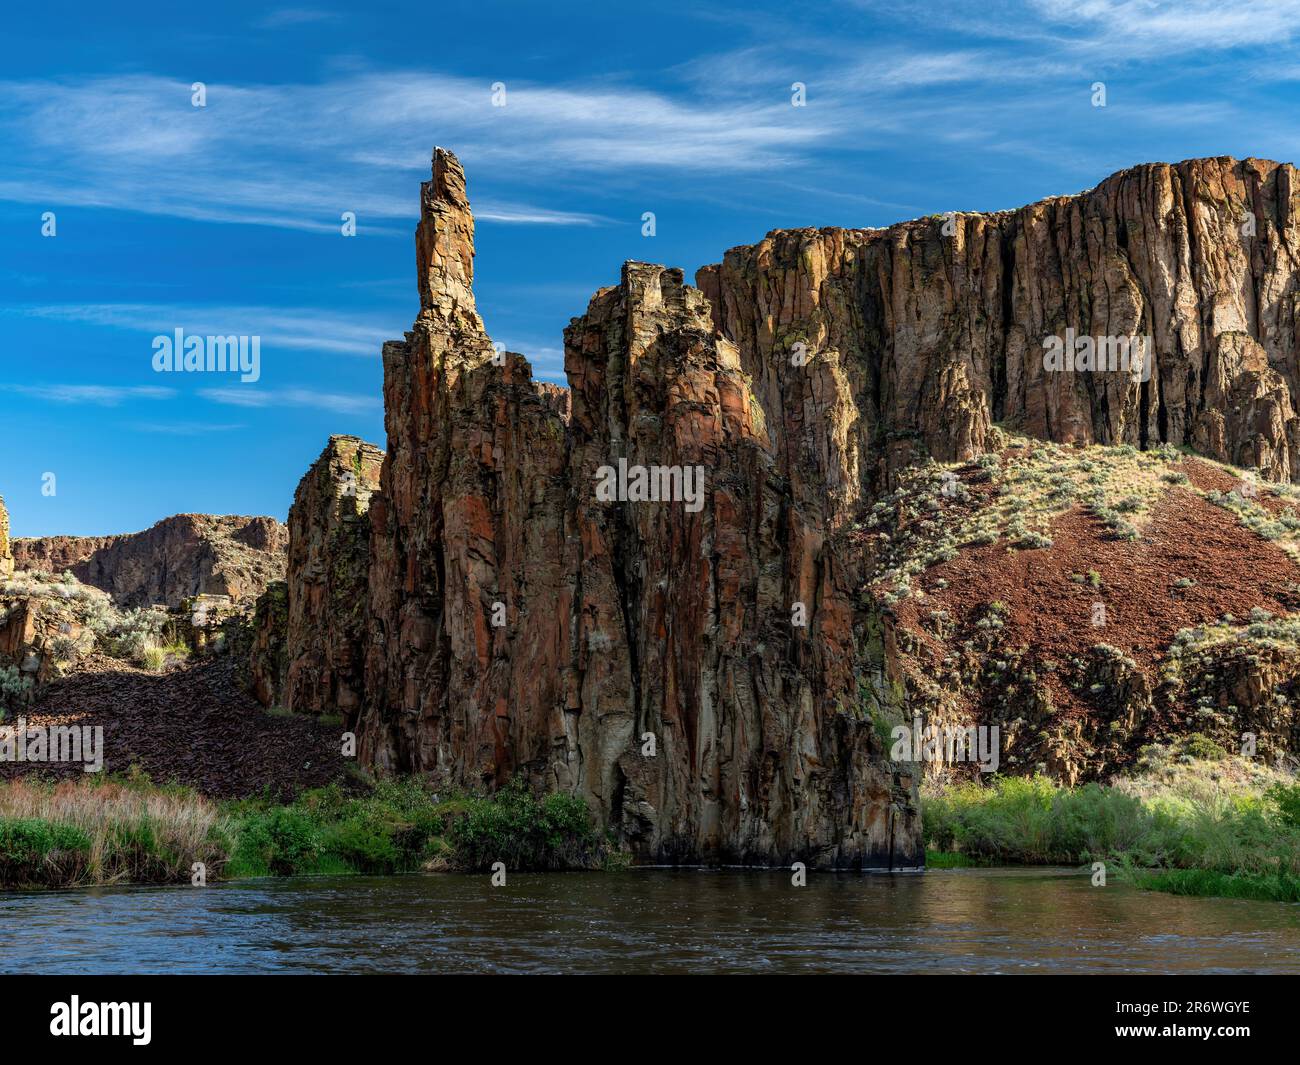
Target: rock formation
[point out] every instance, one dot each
(642, 655)
(179, 557)
(28, 630)
(6, 555)
(703, 669)
(309, 632)
(263, 646)
(931, 330)
(329, 549)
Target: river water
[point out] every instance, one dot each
(648, 921)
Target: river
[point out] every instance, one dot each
(648, 921)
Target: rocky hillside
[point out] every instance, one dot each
(687, 667)
(1088, 602)
(717, 670)
(180, 557)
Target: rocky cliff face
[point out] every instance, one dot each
(180, 557)
(932, 330)
(329, 549)
(686, 664)
(703, 664)
(260, 647)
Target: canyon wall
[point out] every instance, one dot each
(935, 327)
(702, 670)
(179, 557)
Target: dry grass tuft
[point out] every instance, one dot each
(120, 831)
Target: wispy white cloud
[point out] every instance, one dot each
(294, 16)
(297, 156)
(99, 395)
(247, 396)
(1105, 31)
(522, 214)
(185, 428)
(296, 328)
(1131, 28)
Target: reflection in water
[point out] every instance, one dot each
(963, 920)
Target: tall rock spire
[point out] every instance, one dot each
(521, 625)
(444, 245)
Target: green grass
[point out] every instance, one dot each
(128, 830)
(950, 860)
(104, 831)
(399, 826)
(1183, 823)
(36, 853)
(1204, 882)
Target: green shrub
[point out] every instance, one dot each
(1198, 746)
(129, 635)
(1286, 797)
(282, 841)
(524, 832)
(126, 829)
(360, 844)
(1184, 828)
(39, 853)
(15, 689)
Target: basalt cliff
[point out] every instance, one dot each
(179, 557)
(717, 676)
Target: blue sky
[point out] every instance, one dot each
(226, 218)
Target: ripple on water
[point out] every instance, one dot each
(961, 920)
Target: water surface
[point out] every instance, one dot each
(649, 921)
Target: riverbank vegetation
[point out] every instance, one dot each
(1190, 819)
(129, 830)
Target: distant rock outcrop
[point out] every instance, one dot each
(182, 556)
(6, 554)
